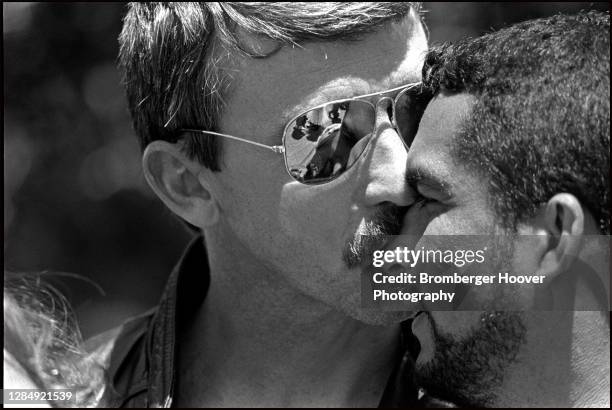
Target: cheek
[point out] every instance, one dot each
(250, 182)
(439, 219)
(314, 213)
(460, 222)
(283, 220)
(248, 191)
(528, 253)
(251, 201)
(432, 220)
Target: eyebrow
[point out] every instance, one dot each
(422, 176)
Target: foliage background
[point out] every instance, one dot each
(75, 199)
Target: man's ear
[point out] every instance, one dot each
(563, 221)
(177, 181)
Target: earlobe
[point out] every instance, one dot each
(176, 180)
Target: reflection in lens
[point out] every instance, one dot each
(323, 143)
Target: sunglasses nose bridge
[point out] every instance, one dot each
(388, 121)
(384, 111)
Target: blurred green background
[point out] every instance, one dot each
(75, 199)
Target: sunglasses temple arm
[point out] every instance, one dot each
(279, 149)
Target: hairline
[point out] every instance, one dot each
(231, 60)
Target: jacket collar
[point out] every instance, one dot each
(185, 291)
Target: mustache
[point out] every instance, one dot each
(387, 221)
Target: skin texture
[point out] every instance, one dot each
(527, 358)
(282, 323)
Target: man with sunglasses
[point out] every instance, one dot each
(276, 131)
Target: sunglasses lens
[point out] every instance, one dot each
(409, 108)
(323, 143)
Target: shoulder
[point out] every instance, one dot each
(104, 346)
(121, 351)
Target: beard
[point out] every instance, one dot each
(373, 235)
(468, 370)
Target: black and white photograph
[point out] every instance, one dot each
(306, 204)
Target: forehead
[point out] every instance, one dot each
(441, 122)
(269, 91)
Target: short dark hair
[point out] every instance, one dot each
(170, 54)
(541, 122)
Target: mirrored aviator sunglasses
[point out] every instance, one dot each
(323, 142)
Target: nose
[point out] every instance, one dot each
(386, 164)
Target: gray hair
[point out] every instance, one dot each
(170, 53)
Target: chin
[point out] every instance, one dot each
(350, 304)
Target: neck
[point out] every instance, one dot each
(256, 341)
(565, 362)
(591, 360)
(566, 359)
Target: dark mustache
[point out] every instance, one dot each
(386, 222)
